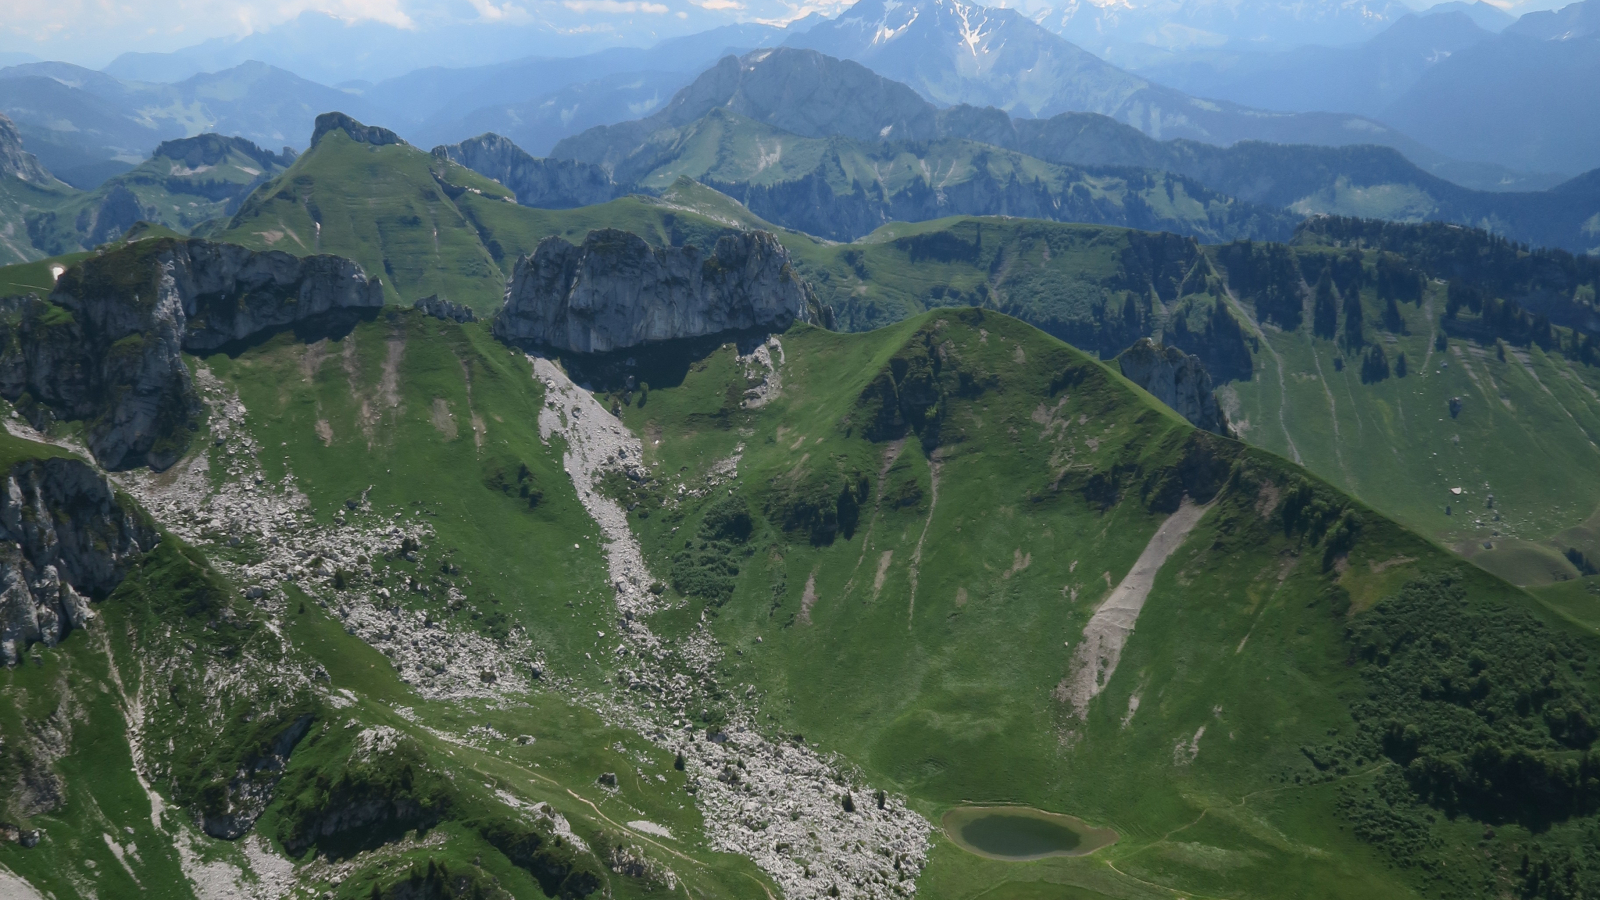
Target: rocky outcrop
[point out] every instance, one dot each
(1177, 379)
(117, 210)
(542, 183)
(210, 149)
(361, 134)
(19, 163)
(107, 346)
(249, 792)
(616, 291)
(447, 310)
(65, 537)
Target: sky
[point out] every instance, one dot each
(93, 32)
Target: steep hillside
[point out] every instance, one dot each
(914, 564)
(184, 183)
(1520, 383)
(363, 193)
(26, 189)
(429, 226)
(1487, 386)
(1096, 287)
(841, 188)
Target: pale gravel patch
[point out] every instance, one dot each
(12, 887)
(660, 831)
(1095, 659)
(755, 794)
(282, 543)
(763, 371)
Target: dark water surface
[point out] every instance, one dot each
(1019, 837)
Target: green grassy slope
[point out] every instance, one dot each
(930, 514)
(20, 201)
(1392, 441)
(386, 207)
(184, 184)
(1097, 287)
(1505, 412)
(841, 188)
(924, 635)
(462, 417)
(426, 225)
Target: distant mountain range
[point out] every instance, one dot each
(1520, 98)
(953, 52)
(86, 126)
(809, 95)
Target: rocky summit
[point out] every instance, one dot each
(1176, 378)
(615, 291)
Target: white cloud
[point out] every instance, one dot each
(615, 6)
(718, 4)
(506, 12)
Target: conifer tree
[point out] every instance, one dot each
(1324, 311)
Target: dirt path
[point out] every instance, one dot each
(1333, 414)
(934, 465)
(1096, 657)
(1283, 384)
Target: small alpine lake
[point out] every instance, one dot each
(1021, 833)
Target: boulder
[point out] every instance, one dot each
(615, 291)
(1178, 379)
(449, 311)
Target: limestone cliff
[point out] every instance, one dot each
(616, 291)
(542, 183)
(107, 346)
(65, 537)
(1178, 379)
(19, 163)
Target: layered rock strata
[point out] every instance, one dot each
(615, 291)
(65, 537)
(107, 346)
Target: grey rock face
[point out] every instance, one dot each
(118, 210)
(616, 291)
(1178, 379)
(16, 161)
(542, 183)
(107, 347)
(65, 537)
(431, 305)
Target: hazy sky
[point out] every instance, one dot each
(92, 32)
